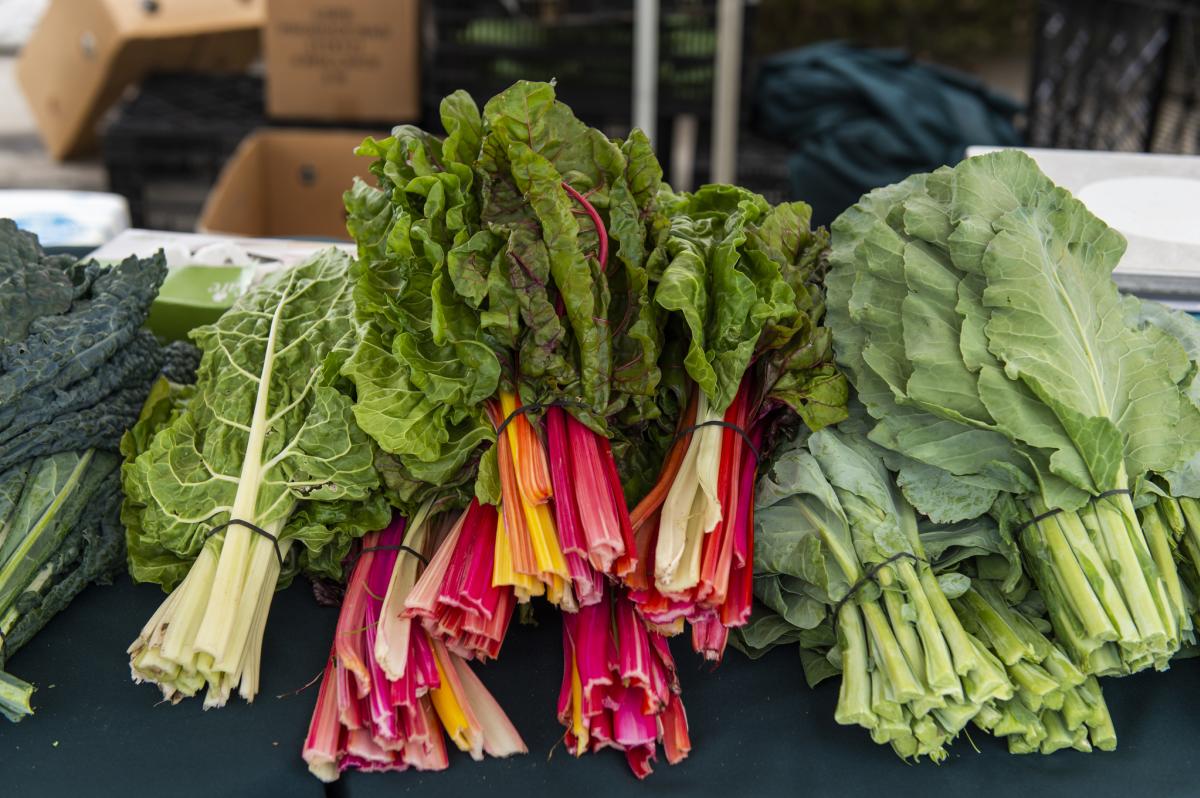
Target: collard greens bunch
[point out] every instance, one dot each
(1045, 430)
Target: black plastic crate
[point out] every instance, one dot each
(1116, 75)
(483, 46)
(762, 165)
(165, 147)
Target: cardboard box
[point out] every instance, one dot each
(343, 60)
(85, 52)
(286, 182)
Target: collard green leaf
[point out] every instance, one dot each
(764, 631)
(1184, 478)
(854, 467)
(974, 311)
(929, 442)
(1057, 324)
(798, 523)
(943, 497)
(949, 545)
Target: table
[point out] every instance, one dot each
(756, 728)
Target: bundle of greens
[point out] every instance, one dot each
(58, 532)
(511, 361)
(1054, 705)
(842, 563)
(1171, 509)
(75, 367)
(391, 693)
(75, 363)
(488, 294)
(974, 311)
(738, 281)
(255, 473)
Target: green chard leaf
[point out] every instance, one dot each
(270, 352)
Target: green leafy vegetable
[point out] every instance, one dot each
(74, 369)
(74, 363)
(480, 270)
(57, 533)
(974, 310)
(837, 545)
(266, 438)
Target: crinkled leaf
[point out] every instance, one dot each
(273, 343)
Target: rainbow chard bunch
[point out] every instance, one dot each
(391, 693)
(739, 280)
(509, 358)
(619, 688)
(543, 321)
(456, 598)
(510, 332)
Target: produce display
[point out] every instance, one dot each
(75, 368)
(935, 448)
(548, 333)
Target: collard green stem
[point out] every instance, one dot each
(854, 697)
(888, 656)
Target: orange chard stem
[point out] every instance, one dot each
(523, 560)
(653, 500)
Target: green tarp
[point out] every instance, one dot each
(858, 119)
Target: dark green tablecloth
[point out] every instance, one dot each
(757, 730)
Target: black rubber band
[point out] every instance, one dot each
(397, 547)
(1057, 510)
(534, 407)
(717, 422)
(1038, 519)
(869, 575)
(1113, 492)
(258, 530)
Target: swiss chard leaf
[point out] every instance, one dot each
(265, 370)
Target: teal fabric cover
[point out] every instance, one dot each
(857, 119)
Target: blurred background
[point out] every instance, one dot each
(240, 116)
